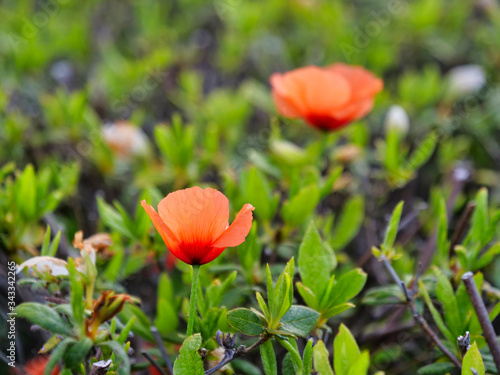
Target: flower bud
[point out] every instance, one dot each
(465, 79)
(288, 153)
(105, 308)
(125, 139)
(397, 119)
(45, 264)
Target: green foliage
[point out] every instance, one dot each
(129, 101)
(45, 317)
(189, 361)
(473, 361)
(318, 288)
(246, 322)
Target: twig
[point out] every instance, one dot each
(230, 354)
(101, 367)
(164, 353)
(153, 363)
(483, 317)
(410, 301)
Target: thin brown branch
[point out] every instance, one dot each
(153, 363)
(230, 354)
(483, 317)
(163, 352)
(410, 301)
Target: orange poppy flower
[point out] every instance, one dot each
(36, 366)
(193, 223)
(327, 98)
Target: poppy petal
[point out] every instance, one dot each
(165, 233)
(197, 216)
(355, 110)
(235, 234)
(323, 90)
(287, 95)
(365, 83)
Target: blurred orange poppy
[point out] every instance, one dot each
(36, 366)
(327, 98)
(193, 223)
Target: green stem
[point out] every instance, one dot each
(192, 302)
(89, 296)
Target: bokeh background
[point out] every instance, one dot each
(117, 99)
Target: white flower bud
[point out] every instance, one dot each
(125, 139)
(465, 79)
(397, 119)
(43, 264)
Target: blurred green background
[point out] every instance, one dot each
(113, 98)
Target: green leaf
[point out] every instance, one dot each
(57, 355)
(487, 257)
(479, 222)
(349, 222)
(166, 317)
(308, 295)
(112, 218)
(360, 367)
(25, 193)
(301, 206)
(313, 252)
(492, 228)
(321, 361)
(283, 301)
(126, 330)
(392, 228)
(442, 233)
(268, 358)
(45, 317)
(423, 152)
(348, 286)
(446, 295)
(299, 320)
(52, 250)
(121, 357)
(142, 325)
(257, 191)
(386, 295)
(189, 361)
(435, 314)
(75, 355)
(336, 310)
(345, 351)
(287, 365)
(114, 268)
(246, 321)
(439, 368)
(262, 305)
(270, 288)
(45, 243)
(307, 357)
(77, 301)
(473, 360)
(216, 291)
(294, 355)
